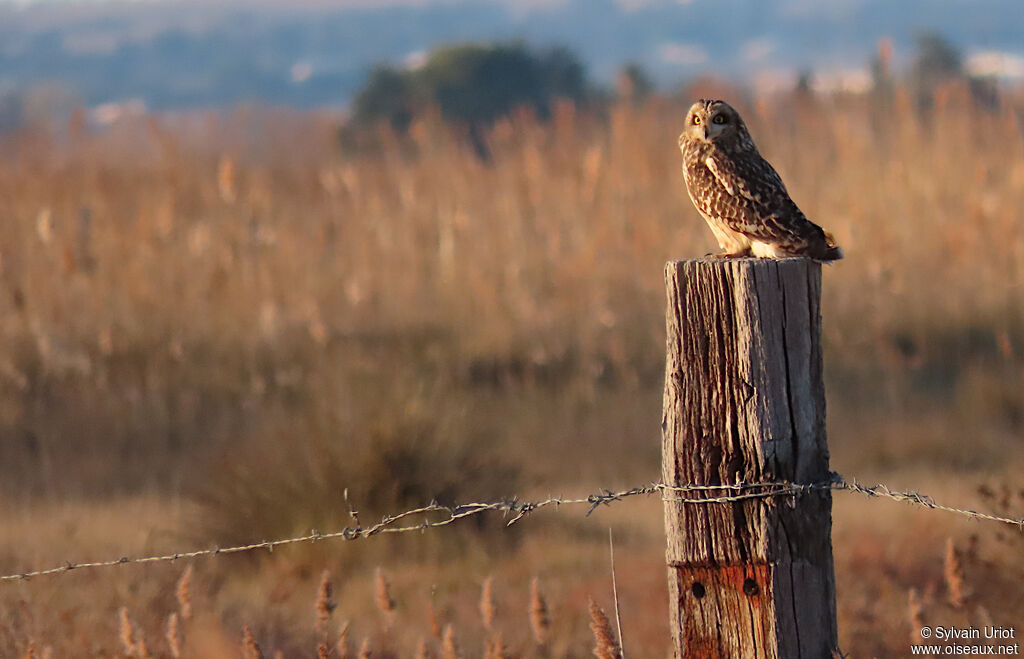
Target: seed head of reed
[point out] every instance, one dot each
(364, 649)
(30, 651)
(322, 652)
(382, 595)
(250, 648)
(984, 617)
(449, 649)
(914, 611)
(954, 575)
(141, 651)
(342, 645)
(226, 179)
(325, 603)
(605, 645)
(540, 620)
(44, 225)
(423, 650)
(126, 631)
(435, 624)
(495, 647)
(173, 635)
(487, 607)
(184, 593)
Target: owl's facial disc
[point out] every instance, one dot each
(708, 121)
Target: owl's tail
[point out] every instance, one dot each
(829, 251)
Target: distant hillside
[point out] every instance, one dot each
(181, 56)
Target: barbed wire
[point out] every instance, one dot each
(517, 510)
(923, 500)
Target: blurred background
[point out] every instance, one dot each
(264, 263)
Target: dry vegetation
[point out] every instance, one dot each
(223, 330)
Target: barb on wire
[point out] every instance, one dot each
(923, 500)
(687, 494)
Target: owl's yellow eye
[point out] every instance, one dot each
(719, 119)
(696, 120)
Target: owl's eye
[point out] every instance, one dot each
(696, 120)
(719, 119)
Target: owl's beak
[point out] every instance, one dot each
(704, 129)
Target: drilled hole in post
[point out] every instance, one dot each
(750, 587)
(698, 589)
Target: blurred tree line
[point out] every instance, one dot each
(472, 85)
(936, 62)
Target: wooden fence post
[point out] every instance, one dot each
(745, 403)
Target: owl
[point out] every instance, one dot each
(739, 194)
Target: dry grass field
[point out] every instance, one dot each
(215, 330)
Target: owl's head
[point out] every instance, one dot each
(715, 121)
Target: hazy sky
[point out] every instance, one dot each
(307, 52)
(324, 3)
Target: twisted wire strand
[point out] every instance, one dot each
(517, 510)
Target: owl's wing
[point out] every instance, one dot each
(756, 202)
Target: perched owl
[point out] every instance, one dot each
(739, 194)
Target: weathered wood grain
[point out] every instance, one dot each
(744, 402)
